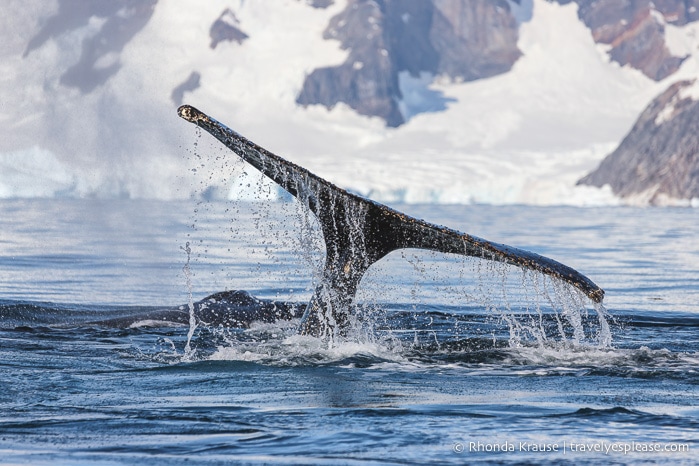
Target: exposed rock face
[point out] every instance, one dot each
(322, 4)
(474, 40)
(99, 58)
(461, 40)
(367, 81)
(659, 158)
(226, 28)
(190, 84)
(635, 30)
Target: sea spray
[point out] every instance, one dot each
(604, 336)
(525, 307)
(188, 352)
(476, 294)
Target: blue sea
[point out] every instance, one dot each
(453, 360)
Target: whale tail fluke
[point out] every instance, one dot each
(358, 232)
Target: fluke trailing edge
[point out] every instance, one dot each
(359, 232)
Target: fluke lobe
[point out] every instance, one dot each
(358, 232)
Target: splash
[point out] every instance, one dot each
(411, 300)
(188, 352)
(457, 297)
(302, 350)
(358, 233)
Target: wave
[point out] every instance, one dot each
(622, 415)
(474, 341)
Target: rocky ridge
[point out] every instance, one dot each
(226, 29)
(658, 161)
(635, 30)
(461, 40)
(466, 41)
(99, 59)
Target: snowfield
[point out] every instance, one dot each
(522, 137)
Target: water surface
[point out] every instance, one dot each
(455, 360)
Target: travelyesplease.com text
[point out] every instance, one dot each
(607, 448)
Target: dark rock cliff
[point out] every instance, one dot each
(474, 40)
(367, 80)
(123, 20)
(226, 29)
(461, 40)
(190, 84)
(660, 156)
(635, 30)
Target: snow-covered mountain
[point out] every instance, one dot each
(404, 101)
(459, 40)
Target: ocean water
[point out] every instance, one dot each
(451, 360)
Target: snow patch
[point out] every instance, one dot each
(418, 97)
(683, 41)
(34, 172)
(107, 61)
(230, 19)
(689, 91)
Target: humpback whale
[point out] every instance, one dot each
(234, 308)
(358, 232)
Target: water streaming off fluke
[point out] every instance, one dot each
(359, 232)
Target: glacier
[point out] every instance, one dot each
(523, 137)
